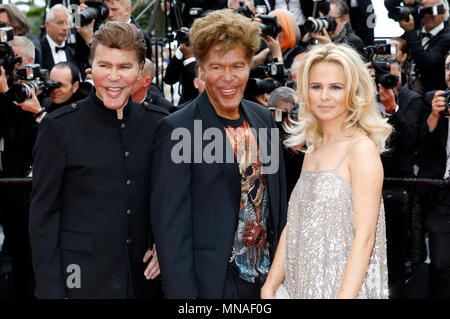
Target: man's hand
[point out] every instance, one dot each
(186, 50)
(387, 98)
(30, 105)
(152, 271)
(274, 46)
(87, 32)
(407, 25)
(3, 81)
(321, 36)
(437, 105)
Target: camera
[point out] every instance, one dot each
(269, 26)
(445, 112)
(382, 66)
(37, 79)
(315, 25)
(402, 12)
(383, 74)
(380, 49)
(182, 36)
(97, 10)
(281, 115)
(7, 57)
(267, 78)
(244, 10)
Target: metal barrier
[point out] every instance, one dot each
(27, 181)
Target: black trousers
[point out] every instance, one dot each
(437, 223)
(238, 288)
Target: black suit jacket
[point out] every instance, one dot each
(432, 146)
(185, 74)
(195, 206)
(89, 202)
(398, 161)
(430, 62)
(78, 59)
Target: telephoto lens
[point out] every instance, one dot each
(315, 25)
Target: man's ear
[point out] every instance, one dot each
(75, 86)
(345, 19)
(148, 81)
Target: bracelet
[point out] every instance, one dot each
(43, 110)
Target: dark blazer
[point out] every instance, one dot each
(398, 161)
(432, 145)
(89, 202)
(77, 57)
(185, 74)
(362, 19)
(430, 62)
(195, 206)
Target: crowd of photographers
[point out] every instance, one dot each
(411, 72)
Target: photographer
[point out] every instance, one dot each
(181, 69)
(11, 16)
(338, 31)
(68, 92)
(403, 108)
(429, 47)
(54, 46)
(435, 163)
(282, 38)
(17, 134)
(143, 93)
(283, 103)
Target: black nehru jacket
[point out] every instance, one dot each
(90, 200)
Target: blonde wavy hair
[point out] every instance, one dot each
(360, 92)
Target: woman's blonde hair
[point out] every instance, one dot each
(360, 92)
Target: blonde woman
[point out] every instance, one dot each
(334, 243)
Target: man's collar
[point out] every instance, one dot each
(53, 44)
(436, 30)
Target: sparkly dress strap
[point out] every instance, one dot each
(349, 148)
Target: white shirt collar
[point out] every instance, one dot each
(53, 44)
(436, 30)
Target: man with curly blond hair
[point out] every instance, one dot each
(217, 212)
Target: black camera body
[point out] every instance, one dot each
(36, 78)
(182, 36)
(315, 25)
(382, 66)
(244, 10)
(269, 26)
(401, 13)
(97, 10)
(445, 112)
(7, 57)
(267, 78)
(383, 74)
(281, 115)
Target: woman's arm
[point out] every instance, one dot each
(276, 273)
(367, 180)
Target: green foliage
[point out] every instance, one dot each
(36, 17)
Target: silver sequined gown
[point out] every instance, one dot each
(319, 238)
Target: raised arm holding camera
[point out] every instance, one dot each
(435, 201)
(428, 45)
(333, 27)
